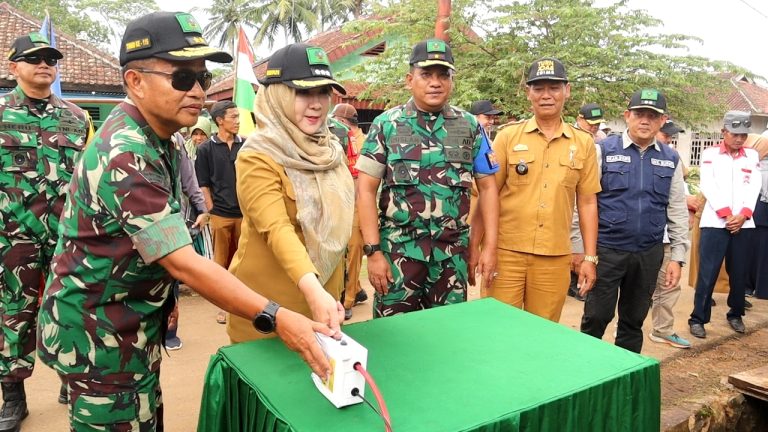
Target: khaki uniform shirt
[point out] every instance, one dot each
(536, 208)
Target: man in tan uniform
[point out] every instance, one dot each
(546, 166)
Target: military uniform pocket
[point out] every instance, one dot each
(106, 409)
(15, 157)
(404, 172)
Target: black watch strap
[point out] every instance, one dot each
(266, 321)
(370, 249)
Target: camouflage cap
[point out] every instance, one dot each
(300, 66)
(169, 36)
(32, 43)
(432, 52)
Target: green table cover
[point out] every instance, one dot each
(477, 366)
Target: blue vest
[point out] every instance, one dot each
(633, 204)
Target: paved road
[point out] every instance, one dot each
(183, 370)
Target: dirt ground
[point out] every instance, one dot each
(687, 375)
(691, 375)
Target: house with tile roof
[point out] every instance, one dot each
(90, 77)
(742, 94)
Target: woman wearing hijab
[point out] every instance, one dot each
(295, 192)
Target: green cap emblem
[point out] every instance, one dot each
(597, 113)
(188, 23)
(36, 37)
(649, 94)
(436, 46)
(317, 56)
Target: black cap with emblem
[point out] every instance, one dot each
(32, 43)
(300, 66)
(167, 35)
(432, 52)
(547, 68)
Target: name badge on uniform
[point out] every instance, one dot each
(618, 158)
(663, 163)
(520, 147)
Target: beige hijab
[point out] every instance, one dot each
(315, 164)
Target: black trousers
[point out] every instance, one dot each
(714, 245)
(626, 278)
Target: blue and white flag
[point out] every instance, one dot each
(47, 30)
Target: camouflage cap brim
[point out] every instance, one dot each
(54, 53)
(315, 82)
(198, 52)
(428, 63)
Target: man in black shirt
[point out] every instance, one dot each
(215, 168)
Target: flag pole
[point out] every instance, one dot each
(236, 55)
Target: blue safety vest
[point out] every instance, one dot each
(633, 203)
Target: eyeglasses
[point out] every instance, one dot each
(184, 79)
(36, 60)
(738, 123)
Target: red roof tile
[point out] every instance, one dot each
(84, 67)
(745, 95)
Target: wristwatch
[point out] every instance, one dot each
(265, 321)
(370, 249)
(591, 258)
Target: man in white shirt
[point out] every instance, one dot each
(731, 181)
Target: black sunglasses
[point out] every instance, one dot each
(36, 60)
(185, 79)
(737, 123)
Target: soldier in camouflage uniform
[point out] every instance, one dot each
(123, 241)
(424, 155)
(42, 137)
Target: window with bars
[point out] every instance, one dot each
(701, 141)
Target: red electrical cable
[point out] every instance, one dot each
(379, 398)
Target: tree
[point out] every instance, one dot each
(76, 17)
(226, 18)
(333, 12)
(116, 14)
(294, 17)
(609, 52)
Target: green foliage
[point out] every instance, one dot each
(96, 21)
(609, 53)
(295, 19)
(226, 17)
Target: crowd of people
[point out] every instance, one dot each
(272, 227)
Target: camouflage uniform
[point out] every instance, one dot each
(39, 146)
(101, 321)
(426, 163)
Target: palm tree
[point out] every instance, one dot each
(333, 12)
(293, 17)
(226, 18)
